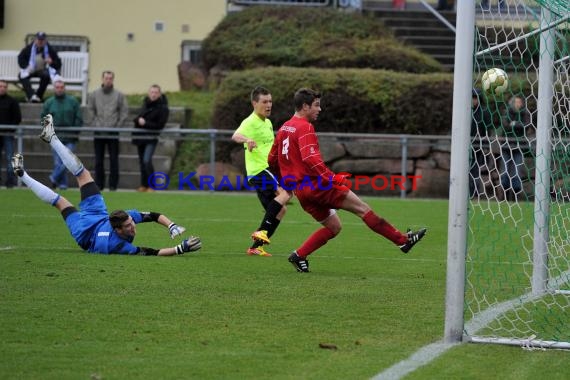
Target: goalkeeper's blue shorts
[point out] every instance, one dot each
(82, 223)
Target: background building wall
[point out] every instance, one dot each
(149, 57)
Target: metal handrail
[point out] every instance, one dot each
(213, 135)
(177, 133)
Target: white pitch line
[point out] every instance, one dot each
(432, 351)
(8, 248)
(420, 358)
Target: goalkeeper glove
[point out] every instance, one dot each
(175, 230)
(188, 245)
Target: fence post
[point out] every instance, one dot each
(20, 146)
(404, 144)
(213, 136)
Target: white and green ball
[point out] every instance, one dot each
(495, 81)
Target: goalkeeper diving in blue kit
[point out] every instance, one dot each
(91, 226)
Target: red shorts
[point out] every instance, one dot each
(319, 202)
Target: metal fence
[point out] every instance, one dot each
(395, 142)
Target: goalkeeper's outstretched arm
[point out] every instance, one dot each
(173, 228)
(191, 244)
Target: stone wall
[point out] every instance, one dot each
(378, 165)
(375, 164)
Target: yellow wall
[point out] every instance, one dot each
(150, 58)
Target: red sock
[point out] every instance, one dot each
(315, 241)
(382, 227)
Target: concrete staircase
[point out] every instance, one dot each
(422, 30)
(418, 27)
(39, 160)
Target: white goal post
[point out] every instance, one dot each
(508, 252)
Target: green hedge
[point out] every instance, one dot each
(302, 37)
(354, 100)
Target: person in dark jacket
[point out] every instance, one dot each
(151, 119)
(66, 112)
(480, 121)
(10, 114)
(38, 59)
(516, 123)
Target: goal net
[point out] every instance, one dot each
(517, 278)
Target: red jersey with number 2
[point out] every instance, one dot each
(296, 152)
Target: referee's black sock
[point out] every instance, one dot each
(270, 221)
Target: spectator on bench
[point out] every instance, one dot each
(38, 59)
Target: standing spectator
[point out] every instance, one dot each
(480, 121)
(38, 59)
(151, 118)
(485, 5)
(256, 134)
(444, 5)
(66, 112)
(516, 120)
(399, 5)
(10, 114)
(296, 156)
(108, 108)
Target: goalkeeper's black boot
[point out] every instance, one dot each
(413, 239)
(301, 264)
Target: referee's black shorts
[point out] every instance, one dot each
(265, 184)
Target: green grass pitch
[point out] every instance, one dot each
(220, 314)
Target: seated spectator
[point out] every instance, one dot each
(151, 119)
(38, 59)
(66, 112)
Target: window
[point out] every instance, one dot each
(159, 26)
(64, 43)
(192, 51)
(325, 3)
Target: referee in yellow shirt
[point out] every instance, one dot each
(256, 134)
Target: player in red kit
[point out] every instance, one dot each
(296, 156)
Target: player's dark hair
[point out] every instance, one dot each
(117, 218)
(305, 96)
(259, 90)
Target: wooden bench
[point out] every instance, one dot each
(74, 70)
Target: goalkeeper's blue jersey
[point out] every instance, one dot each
(91, 229)
(106, 240)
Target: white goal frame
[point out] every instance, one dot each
(454, 330)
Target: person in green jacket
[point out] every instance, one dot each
(66, 112)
